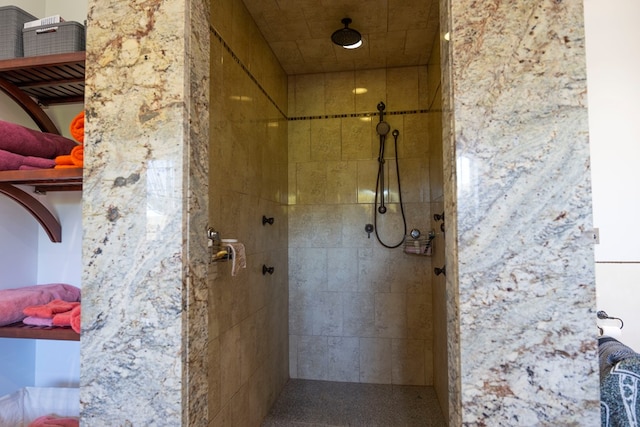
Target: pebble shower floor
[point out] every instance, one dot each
(323, 403)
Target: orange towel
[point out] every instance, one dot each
(75, 318)
(64, 160)
(77, 127)
(62, 319)
(50, 309)
(77, 155)
(67, 161)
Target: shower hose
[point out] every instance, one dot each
(380, 189)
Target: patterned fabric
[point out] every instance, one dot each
(620, 385)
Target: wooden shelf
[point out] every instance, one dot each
(44, 80)
(20, 330)
(42, 180)
(67, 179)
(50, 79)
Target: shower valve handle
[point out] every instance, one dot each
(369, 229)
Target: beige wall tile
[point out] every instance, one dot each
(312, 357)
(342, 179)
(311, 179)
(339, 93)
(425, 97)
(372, 268)
(230, 369)
(391, 315)
(342, 271)
(309, 95)
(402, 89)
(419, 326)
(375, 360)
(325, 140)
(414, 141)
(414, 180)
(354, 219)
(299, 141)
(343, 362)
(308, 269)
(293, 356)
(301, 305)
(375, 83)
(407, 362)
(327, 314)
(367, 177)
(359, 314)
(240, 416)
(357, 138)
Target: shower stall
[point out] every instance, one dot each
(307, 150)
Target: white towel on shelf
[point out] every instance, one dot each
(238, 257)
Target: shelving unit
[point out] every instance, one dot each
(32, 82)
(44, 80)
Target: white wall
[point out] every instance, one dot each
(27, 256)
(613, 64)
(18, 264)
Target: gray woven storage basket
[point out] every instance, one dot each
(63, 37)
(12, 20)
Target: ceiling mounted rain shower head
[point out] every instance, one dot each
(347, 37)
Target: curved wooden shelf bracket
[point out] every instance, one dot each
(29, 106)
(36, 209)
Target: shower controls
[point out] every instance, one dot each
(440, 271)
(439, 217)
(266, 270)
(369, 229)
(266, 220)
(415, 233)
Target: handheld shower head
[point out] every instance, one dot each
(383, 128)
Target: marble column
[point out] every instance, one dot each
(144, 313)
(520, 266)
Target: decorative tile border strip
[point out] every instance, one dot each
(366, 114)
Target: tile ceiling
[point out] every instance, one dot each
(395, 33)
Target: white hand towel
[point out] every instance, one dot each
(238, 257)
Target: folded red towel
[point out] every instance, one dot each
(12, 161)
(50, 309)
(13, 301)
(77, 127)
(28, 142)
(55, 421)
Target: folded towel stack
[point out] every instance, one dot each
(14, 301)
(24, 148)
(54, 313)
(75, 159)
